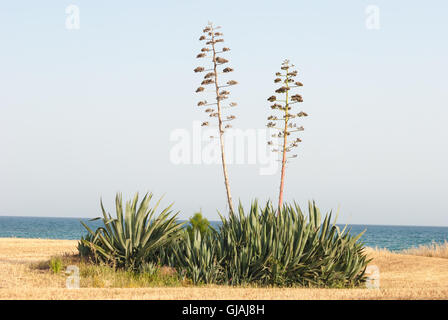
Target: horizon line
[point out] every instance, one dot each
(349, 224)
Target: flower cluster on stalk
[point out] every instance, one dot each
(285, 103)
(212, 71)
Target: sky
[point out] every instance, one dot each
(86, 113)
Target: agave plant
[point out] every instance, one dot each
(312, 252)
(268, 249)
(246, 245)
(85, 246)
(196, 256)
(129, 239)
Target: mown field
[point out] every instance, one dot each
(402, 276)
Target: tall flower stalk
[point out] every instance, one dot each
(284, 123)
(212, 48)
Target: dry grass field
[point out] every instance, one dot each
(402, 276)
(439, 250)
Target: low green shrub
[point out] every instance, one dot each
(200, 224)
(55, 264)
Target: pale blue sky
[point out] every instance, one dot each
(86, 113)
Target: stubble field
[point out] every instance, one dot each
(402, 276)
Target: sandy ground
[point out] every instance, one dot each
(401, 277)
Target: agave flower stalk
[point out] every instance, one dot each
(220, 91)
(284, 123)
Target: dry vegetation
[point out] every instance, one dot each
(439, 250)
(23, 275)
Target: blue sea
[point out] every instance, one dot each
(391, 237)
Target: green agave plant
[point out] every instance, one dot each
(268, 249)
(84, 246)
(129, 239)
(196, 257)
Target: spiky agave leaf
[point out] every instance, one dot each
(130, 238)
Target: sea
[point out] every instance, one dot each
(394, 238)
